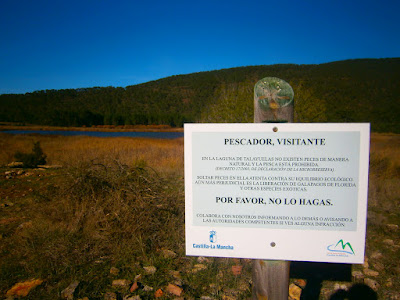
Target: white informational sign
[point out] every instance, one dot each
(291, 191)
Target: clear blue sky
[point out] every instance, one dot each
(53, 44)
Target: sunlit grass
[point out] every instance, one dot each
(117, 202)
(384, 171)
(163, 155)
(114, 202)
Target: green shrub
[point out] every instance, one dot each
(32, 160)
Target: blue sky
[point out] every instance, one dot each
(86, 43)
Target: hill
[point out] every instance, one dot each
(362, 90)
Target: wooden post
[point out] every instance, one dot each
(273, 103)
(270, 279)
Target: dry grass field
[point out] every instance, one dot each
(119, 203)
(162, 155)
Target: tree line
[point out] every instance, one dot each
(362, 90)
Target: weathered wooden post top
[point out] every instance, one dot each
(273, 101)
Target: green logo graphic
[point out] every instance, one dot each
(341, 247)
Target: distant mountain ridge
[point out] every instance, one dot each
(359, 90)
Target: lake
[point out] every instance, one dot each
(148, 134)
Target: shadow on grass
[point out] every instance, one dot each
(315, 273)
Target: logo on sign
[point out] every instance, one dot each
(213, 236)
(341, 248)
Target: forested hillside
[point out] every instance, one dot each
(363, 90)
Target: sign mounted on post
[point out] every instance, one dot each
(277, 191)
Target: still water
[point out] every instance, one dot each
(157, 135)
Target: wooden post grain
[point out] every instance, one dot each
(272, 104)
(271, 279)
